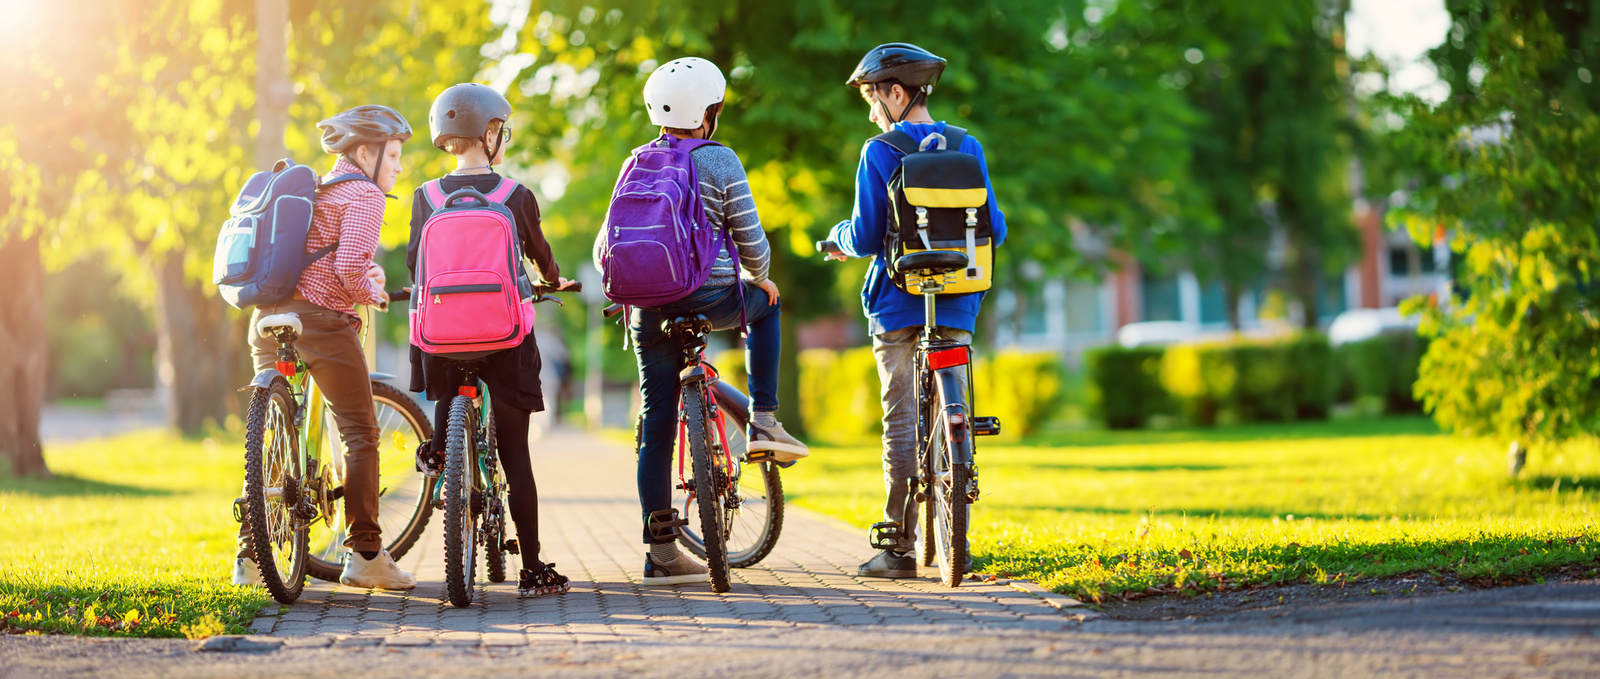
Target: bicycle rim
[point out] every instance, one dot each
(272, 490)
(460, 549)
(404, 494)
(710, 484)
(950, 509)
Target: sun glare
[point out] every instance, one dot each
(19, 20)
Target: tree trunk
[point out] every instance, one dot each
(196, 353)
(24, 356)
(1230, 294)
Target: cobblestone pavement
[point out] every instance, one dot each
(590, 528)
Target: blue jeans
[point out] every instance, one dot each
(661, 359)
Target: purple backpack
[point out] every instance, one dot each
(658, 245)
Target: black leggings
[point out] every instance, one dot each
(511, 435)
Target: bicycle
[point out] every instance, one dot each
(948, 481)
(294, 469)
(472, 489)
(741, 516)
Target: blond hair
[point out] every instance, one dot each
(460, 145)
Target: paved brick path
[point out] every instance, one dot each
(589, 515)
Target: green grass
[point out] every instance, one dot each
(133, 537)
(1098, 514)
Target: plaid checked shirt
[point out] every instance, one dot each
(351, 214)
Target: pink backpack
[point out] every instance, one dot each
(472, 297)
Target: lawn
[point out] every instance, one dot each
(1100, 514)
(131, 538)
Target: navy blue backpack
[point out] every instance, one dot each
(262, 248)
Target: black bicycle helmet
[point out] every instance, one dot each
(901, 62)
(369, 124)
(466, 110)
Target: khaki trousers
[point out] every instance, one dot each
(331, 348)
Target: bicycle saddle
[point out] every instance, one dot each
(932, 262)
(695, 323)
(288, 320)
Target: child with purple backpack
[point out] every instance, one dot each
(684, 97)
(469, 122)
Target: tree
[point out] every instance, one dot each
(1505, 165)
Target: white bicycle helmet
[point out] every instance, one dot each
(678, 93)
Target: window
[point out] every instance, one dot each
(1213, 303)
(1160, 297)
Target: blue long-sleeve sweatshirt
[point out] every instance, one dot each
(889, 308)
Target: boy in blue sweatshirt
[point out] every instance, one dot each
(895, 80)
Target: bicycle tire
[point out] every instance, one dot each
(708, 488)
(494, 557)
(396, 462)
(272, 409)
(769, 525)
(949, 495)
(460, 548)
(930, 552)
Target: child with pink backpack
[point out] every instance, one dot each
(470, 231)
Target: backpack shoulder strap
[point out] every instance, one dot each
(347, 177)
(953, 136)
(898, 140)
(502, 191)
(434, 194)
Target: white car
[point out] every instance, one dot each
(1364, 324)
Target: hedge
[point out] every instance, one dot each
(1022, 388)
(1125, 385)
(1246, 380)
(1379, 373)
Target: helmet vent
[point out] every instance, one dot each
(451, 115)
(666, 107)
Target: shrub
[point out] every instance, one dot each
(839, 396)
(1022, 388)
(1125, 385)
(1382, 371)
(1239, 381)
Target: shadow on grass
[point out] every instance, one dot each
(1133, 467)
(1198, 513)
(63, 485)
(1560, 483)
(1357, 428)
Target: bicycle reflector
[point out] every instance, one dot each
(949, 358)
(469, 392)
(286, 367)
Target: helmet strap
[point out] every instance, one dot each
(499, 141)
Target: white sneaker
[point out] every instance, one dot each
(245, 572)
(379, 573)
(680, 571)
(784, 448)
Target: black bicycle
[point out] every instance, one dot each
(736, 495)
(948, 481)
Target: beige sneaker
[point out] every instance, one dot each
(379, 573)
(784, 448)
(680, 571)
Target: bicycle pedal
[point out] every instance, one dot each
(238, 510)
(986, 426)
(510, 547)
(759, 456)
(886, 535)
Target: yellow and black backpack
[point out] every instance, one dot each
(939, 201)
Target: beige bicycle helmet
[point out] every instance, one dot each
(369, 124)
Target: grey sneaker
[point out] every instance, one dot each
(887, 564)
(784, 448)
(680, 571)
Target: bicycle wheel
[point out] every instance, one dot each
(757, 519)
(272, 491)
(710, 485)
(404, 494)
(949, 496)
(494, 521)
(460, 531)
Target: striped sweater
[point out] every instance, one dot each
(725, 193)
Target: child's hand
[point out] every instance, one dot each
(375, 274)
(771, 289)
(564, 283)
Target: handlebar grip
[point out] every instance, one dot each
(612, 311)
(399, 295)
(828, 247)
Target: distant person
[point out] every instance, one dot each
(468, 121)
(684, 98)
(347, 216)
(895, 80)
(553, 362)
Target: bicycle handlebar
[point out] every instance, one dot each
(828, 247)
(612, 311)
(400, 295)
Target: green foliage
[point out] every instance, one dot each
(131, 537)
(1098, 514)
(1505, 166)
(1379, 374)
(98, 340)
(1125, 385)
(1022, 388)
(839, 395)
(1246, 380)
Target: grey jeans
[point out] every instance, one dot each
(896, 352)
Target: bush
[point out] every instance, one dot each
(1022, 388)
(1240, 381)
(839, 396)
(1381, 371)
(1125, 385)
